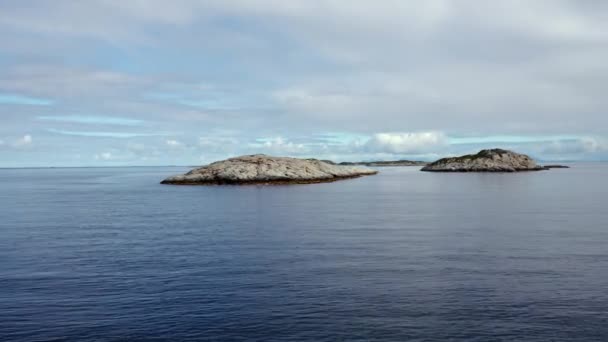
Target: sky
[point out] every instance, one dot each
(155, 82)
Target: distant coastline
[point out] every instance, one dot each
(190, 166)
(386, 163)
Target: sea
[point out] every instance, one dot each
(109, 254)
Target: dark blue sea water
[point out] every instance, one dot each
(110, 255)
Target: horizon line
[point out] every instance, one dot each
(151, 166)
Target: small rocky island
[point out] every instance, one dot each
(263, 169)
(493, 160)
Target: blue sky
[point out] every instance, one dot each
(189, 82)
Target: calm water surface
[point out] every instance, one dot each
(110, 254)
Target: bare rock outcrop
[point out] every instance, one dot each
(263, 169)
(493, 160)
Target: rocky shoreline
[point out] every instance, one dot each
(491, 160)
(261, 169)
(268, 170)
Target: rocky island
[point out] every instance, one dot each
(492, 160)
(263, 169)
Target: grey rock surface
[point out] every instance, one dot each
(493, 160)
(263, 169)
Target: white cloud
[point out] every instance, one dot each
(104, 156)
(476, 68)
(18, 143)
(592, 145)
(584, 145)
(407, 143)
(69, 82)
(278, 145)
(305, 99)
(136, 147)
(173, 143)
(24, 141)
(225, 145)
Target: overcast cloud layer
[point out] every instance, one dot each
(104, 82)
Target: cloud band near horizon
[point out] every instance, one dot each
(101, 83)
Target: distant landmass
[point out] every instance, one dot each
(556, 167)
(387, 163)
